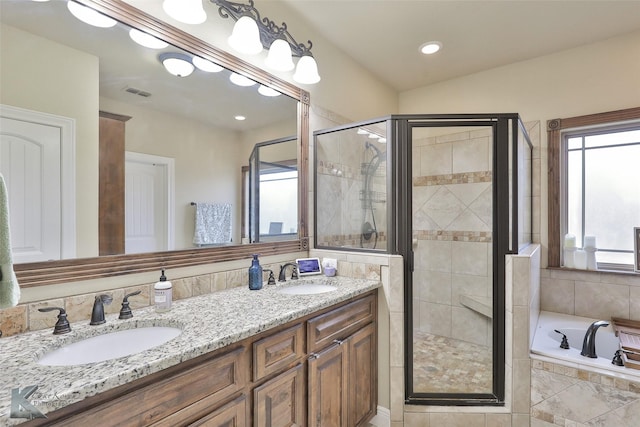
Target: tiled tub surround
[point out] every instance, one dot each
(568, 396)
(572, 390)
(208, 322)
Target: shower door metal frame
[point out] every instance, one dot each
(502, 245)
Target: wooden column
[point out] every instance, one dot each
(111, 219)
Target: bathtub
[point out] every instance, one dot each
(546, 345)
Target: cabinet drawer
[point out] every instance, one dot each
(277, 352)
(176, 399)
(340, 323)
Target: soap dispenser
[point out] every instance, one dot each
(255, 274)
(163, 294)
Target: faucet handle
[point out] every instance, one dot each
(125, 311)
(62, 325)
(272, 279)
(294, 273)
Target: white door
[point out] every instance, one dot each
(147, 203)
(30, 156)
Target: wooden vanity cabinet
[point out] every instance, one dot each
(343, 376)
(319, 371)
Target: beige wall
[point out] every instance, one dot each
(345, 88)
(55, 79)
(208, 161)
(589, 79)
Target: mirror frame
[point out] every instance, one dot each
(70, 270)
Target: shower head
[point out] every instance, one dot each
(380, 154)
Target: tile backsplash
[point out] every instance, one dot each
(590, 294)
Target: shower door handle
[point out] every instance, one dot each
(411, 260)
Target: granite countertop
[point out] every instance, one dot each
(208, 322)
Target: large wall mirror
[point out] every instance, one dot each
(137, 147)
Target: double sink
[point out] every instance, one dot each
(128, 342)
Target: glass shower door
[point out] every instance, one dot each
(451, 228)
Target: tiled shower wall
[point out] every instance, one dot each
(340, 182)
(452, 223)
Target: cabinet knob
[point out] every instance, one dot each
(313, 356)
(339, 342)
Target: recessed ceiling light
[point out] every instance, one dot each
(240, 118)
(430, 47)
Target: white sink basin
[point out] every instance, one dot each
(109, 346)
(308, 289)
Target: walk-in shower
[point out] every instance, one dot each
(452, 195)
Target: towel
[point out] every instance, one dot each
(9, 288)
(213, 224)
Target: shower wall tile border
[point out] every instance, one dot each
(453, 178)
(454, 236)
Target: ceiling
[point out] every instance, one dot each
(384, 35)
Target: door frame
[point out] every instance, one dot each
(67, 128)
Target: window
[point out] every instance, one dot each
(594, 164)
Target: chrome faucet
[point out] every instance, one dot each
(283, 271)
(97, 314)
(589, 342)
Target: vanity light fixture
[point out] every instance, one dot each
(240, 118)
(429, 48)
(146, 40)
(90, 16)
(206, 65)
(177, 64)
(185, 11)
(240, 80)
(251, 34)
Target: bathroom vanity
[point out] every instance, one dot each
(307, 360)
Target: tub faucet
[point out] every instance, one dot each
(283, 270)
(589, 342)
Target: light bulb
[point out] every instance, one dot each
(267, 91)
(307, 71)
(187, 11)
(245, 37)
(146, 40)
(90, 16)
(240, 80)
(206, 65)
(279, 57)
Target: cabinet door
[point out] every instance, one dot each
(328, 378)
(280, 402)
(233, 414)
(362, 370)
